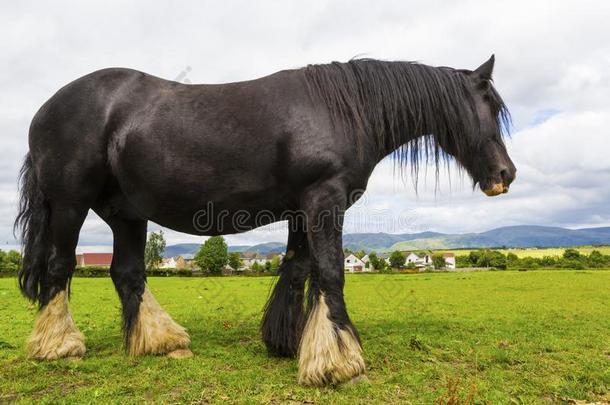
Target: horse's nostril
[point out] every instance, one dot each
(507, 176)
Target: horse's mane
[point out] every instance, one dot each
(394, 101)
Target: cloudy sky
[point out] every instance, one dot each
(552, 68)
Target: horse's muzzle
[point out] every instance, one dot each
(496, 189)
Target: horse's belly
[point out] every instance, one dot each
(217, 219)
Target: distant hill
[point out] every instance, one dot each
(512, 236)
(509, 236)
(378, 241)
(192, 248)
(181, 249)
(267, 248)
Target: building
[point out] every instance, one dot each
(353, 264)
(249, 258)
(419, 261)
(94, 259)
(176, 262)
(449, 260)
(366, 260)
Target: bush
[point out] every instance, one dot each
(485, 258)
(171, 272)
(548, 261)
(10, 262)
(462, 261)
(99, 271)
(92, 271)
(570, 259)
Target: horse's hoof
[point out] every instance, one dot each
(180, 354)
(359, 379)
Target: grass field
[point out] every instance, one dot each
(489, 337)
(538, 253)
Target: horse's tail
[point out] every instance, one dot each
(33, 224)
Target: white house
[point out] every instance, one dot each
(176, 262)
(418, 261)
(449, 260)
(367, 262)
(248, 259)
(168, 263)
(353, 264)
(412, 258)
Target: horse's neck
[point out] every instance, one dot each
(404, 135)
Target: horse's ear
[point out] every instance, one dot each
(486, 69)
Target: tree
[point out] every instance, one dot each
(10, 261)
(597, 259)
(234, 261)
(255, 267)
(359, 254)
(548, 261)
(397, 259)
(275, 264)
(512, 260)
(571, 254)
(497, 259)
(462, 261)
(153, 252)
(438, 260)
(374, 261)
(474, 257)
(212, 255)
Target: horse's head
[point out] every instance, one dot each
(482, 151)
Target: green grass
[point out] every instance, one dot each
(498, 337)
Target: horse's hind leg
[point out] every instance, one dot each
(55, 335)
(284, 319)
(147, 327)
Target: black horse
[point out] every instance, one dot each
(298, 145)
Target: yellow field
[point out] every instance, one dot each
(533, 252)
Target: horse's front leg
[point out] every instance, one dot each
(330, 351)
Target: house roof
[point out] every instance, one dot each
(419, 256)
(353, 256)
(94, 259)
(448, 254)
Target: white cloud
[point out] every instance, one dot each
(553, 69)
